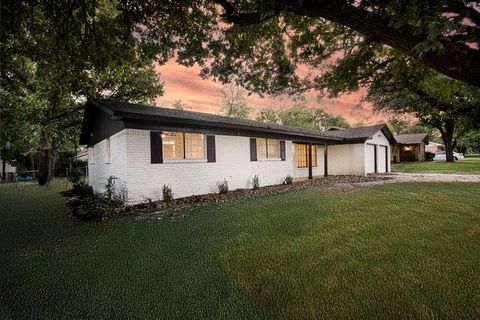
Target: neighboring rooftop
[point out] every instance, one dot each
(412, 138)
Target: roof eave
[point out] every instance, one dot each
(119, 115)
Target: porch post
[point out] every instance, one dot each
(310, 174)
(325, 160)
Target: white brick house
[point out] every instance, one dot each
(146, 147)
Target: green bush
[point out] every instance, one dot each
(222, 186)
(429, 156)
(288, 179)
(167, 193)
(115, 192)
(255, 182)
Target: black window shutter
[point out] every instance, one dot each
(156, 152)
(211, 149)
(283, 156)
(253, 149)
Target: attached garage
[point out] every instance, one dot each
(370, 155)
(369, 151)
(382, 159)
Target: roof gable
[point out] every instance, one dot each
(362, 133)
(414, 138)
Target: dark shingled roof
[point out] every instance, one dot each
(411, 138)
(362, 133)
(128, 111)
(119, 109)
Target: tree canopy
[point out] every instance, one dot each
(234, 102)
(450, 106)
(301, 116)
(54, 56)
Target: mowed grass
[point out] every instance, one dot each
(467, 166)
(406, 250)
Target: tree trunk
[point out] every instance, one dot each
(447, 137)
(44, 167)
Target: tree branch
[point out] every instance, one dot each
(456, 60)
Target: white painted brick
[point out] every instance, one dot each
(130, 162)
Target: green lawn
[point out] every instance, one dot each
(394, 251)
(467, 166)
(472, 155)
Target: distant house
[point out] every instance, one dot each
(147, 147)
(410, 147)
(434, 147)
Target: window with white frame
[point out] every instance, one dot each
(268, 148)
(183, 145)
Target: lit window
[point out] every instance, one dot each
(194, 146)
(273, 148)
(261, 148)
(302, 155)
(179, 145)
(172, 143)
(268, 148)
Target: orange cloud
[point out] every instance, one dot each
(182, 83)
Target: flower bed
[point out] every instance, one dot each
(87, 206)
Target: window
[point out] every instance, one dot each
(107, 151)
(179, 145)
(91, 156)
(268, 148)
(261, 148)
(302, 155)
(273, 148)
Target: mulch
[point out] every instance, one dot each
(165, 210)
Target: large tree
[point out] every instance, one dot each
(443, 34)
(234, 102)
(449, 106)
(302, 116)
(288, 46)
(56, 54)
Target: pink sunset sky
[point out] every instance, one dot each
(203, 95)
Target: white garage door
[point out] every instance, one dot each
(370, 158)
(382, 159)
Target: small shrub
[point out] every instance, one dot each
(222, 186)
(167, 193)
(288, 179)
(429, 156)
(255, 182)
(116, 193)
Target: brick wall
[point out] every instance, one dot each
(145, 180)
